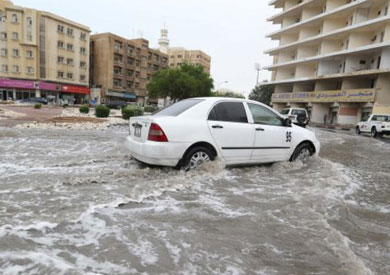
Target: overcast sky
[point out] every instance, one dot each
(231, 32)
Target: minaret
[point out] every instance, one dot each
(164, 41)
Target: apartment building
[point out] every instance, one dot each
(179, 55)
(122, 68)
(333, 58)
(42, 55)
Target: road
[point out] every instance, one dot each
(73, 202)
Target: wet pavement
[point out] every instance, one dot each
(73, 202)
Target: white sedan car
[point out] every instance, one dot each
(197, 130)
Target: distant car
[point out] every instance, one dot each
(116, 104)
(33, 100)
(240, 132)
(376, 125)
(298, 116)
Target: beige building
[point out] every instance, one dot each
(333, 58)
(179, 56)
(42, 54)
(122, 68)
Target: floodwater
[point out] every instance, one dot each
(73, 202)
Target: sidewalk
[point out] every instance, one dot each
(332, 126)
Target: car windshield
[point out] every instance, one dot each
(178, 108)
(285, 111)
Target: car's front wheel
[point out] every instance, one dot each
(197, 157)
(357, 130)
(374, 132)
(302, 153)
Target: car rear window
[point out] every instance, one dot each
(299, 113)
(229, 112)
(178, 108)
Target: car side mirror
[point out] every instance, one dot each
(287, 122)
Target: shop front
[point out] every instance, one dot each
(336, 107)
(74, 95)
(11, 89)
(124, 96)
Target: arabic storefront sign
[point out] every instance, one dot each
(45, 86)
(75, 89)
(364, 95)
(21, 84)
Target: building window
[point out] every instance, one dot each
(70, 61)
(29, 54)
(117, 70)
(60, 44)
(130, 84)
(70, 32)
(69, 75)
(83, 36)
(15, 53)
(14, 18)
(4, 68)
(29, 21)
(60, 74)
(30, 70)
(29, 37)
(60, 28)
(83, 50)
(179, 56)
(118, 46)
(4, 52)
(83, 64)
(60, 60)
(118, 58)
(82, 78)
(15, 69)
(117, 82)
(69, 47)
(3, 36)
(15, 36)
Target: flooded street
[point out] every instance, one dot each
(73, 202)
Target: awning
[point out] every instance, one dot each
(121, 95)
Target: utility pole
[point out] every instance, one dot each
(258, 69)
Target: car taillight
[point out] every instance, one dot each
(156, 133)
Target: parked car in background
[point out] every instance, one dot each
(197, 130)
(34, 100)
(298, 116)
(117, 104)
(376, 125)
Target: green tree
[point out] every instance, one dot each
(180, 83)
(262, 94)
(227, 94)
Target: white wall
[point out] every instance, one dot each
(328, 67)
(318, 112)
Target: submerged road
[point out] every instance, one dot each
(73, 202)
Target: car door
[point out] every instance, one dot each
(231, 131)
(272, 138)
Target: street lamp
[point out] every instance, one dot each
(258, 69)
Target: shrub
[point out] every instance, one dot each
(38, 106)
(131, 111)
(84, 109)
(102, 111)
(150, 109)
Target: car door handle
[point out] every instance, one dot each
(259, 129)
(217, 127)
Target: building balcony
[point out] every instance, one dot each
(369, 25)
(334, 13)
(334, 55)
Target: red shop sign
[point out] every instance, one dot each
(75, 89)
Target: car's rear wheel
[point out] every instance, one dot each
(357, 130)
(197, 157)
(303, 152)
(374, 132)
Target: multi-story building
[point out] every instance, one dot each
(122, 68)
(333, 58)
(42, 55)
(178, 56)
